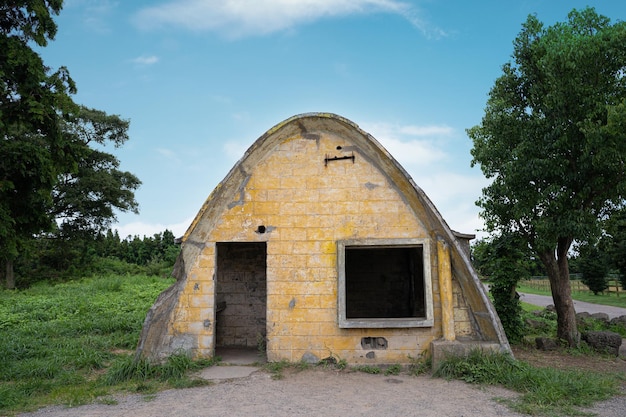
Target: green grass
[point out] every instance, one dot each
(72, 343)
(544, 391)
(368, 369)
(608, 299)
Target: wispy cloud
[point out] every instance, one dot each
(234, 149)
(169, 154)
(146, 60)
(410, 144)
(240, 18)
(96, 13)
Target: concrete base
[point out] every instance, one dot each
(217, 373)
(441, 349)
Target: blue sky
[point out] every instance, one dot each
(201, 80)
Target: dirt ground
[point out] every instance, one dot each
(560, 359)
(340, 393)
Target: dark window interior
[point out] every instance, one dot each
(384, 282)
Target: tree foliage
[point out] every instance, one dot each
(85, 198)
(49, 258)
(614, 242)
(506, 261)
(32, 102)
(553, 139)
(52, 166)
(594, 265)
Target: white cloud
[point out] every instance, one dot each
(142, 229)
(169, 155)
(146, 60)
(239, 18)
(455, 196)
(431, 130)
(235, 150)
(411, 145)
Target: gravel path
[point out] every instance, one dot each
(317, 393)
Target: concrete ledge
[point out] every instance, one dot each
(441, 349)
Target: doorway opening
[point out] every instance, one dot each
(241, 296)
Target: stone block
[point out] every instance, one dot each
(603, 317)
(619, 321)
(441, 349)
(603, 341)
(546, 343)
(582, 315)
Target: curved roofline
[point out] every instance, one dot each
(275, 130)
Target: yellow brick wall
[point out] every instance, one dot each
(307, 207)
(462, 323)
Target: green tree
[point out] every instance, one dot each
(614, 242)
(553, 139)
(86, 198)
(32, 102)
(594, 266)
(505, 260)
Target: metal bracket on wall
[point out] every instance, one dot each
(328, 159)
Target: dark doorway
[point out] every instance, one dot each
(241, 295)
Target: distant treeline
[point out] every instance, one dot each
(52, 258)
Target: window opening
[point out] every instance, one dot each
(384, 285)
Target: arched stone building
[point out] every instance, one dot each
(316, 244)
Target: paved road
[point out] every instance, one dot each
(580, 306)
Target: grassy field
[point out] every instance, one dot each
(56, 341)
(579, 292)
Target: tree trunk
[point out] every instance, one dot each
(557, 268)
(9, 274)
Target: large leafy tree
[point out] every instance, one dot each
(33, 99)
(85, 199)
(553, 139)
(52, 167)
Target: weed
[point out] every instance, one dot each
(175, 367)
(333, 361)
(368, 369)
(146, 387)
(302, 366)
(277, 368)
(260, 344)
(545, 391)
(108, 401)
(420, 364)
(393, 370)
